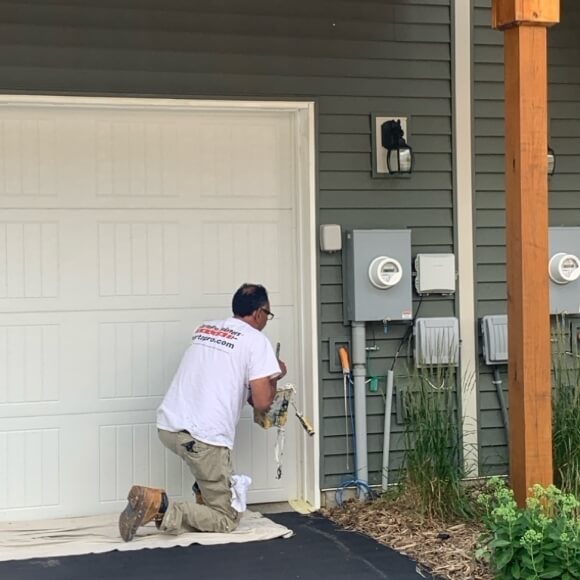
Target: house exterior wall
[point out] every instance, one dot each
(352, 57)
(564, 137)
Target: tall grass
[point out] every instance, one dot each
(566, 410)
(433, 469)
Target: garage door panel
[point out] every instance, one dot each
(138, 259)
(137, 359)
(27, 157)
(94, 158)
(110, 360)
(104, 361)
(29, 468)
(240, 246)
(47, 469)
(80, 261)
(122, 230)
(29, 369)
(77, 362)
(96, 260)
(259, 461)
(261, 177)
(29, 252)
(131, 454)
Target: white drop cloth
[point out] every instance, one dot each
(98, 534)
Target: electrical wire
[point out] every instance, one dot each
(407, 335)
(360, 485)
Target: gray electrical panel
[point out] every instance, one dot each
(436, 341)
(494, 329)
(377, 275)
(564, 296)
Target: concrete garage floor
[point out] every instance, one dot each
(281, 507)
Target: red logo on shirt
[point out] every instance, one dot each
(215, 331)
(215, 336)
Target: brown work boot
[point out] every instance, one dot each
(145, 505)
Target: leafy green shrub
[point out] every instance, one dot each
(433, 472)
(540, 541)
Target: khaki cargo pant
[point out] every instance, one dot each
(211, 467)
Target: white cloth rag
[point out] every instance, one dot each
(240, 485)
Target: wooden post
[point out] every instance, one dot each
(525, 24)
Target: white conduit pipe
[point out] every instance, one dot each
(387, 429)
(359, 373)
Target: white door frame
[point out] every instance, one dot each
(308, 465)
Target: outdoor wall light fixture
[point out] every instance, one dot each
(399, 154)
(392, 156)
(551, 162)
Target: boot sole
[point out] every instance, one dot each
(133, 514)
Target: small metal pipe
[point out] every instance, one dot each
(502, 404)
(387, 430)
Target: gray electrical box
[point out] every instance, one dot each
(564, 270)
(436, 341)
(376, 269)
(494, 329)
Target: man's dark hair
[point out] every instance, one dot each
(249, 298)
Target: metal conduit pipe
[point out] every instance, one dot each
(387, 430)
(502, 404)
(359, 373)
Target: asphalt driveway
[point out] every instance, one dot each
(318, 549)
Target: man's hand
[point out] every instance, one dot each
(263, 391)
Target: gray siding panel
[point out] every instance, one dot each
(353, 57)
(564, 130)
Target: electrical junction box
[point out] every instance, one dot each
(435, 273)
(494, 329)
(330, 238)
(564, 270)
(436, 342)
(376, 267)
(575, 337)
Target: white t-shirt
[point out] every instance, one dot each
(210, 387)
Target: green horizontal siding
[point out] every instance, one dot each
(564, 200)
(353, 57)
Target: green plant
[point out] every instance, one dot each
(540, 541)
(432, 467)
(566, 411)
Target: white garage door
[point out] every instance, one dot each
(121, 230)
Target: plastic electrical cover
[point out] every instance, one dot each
(495, 339)
(436, 341)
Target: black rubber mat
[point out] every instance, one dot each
(317, 550)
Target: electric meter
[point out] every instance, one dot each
(564, 268)
(385, 272)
